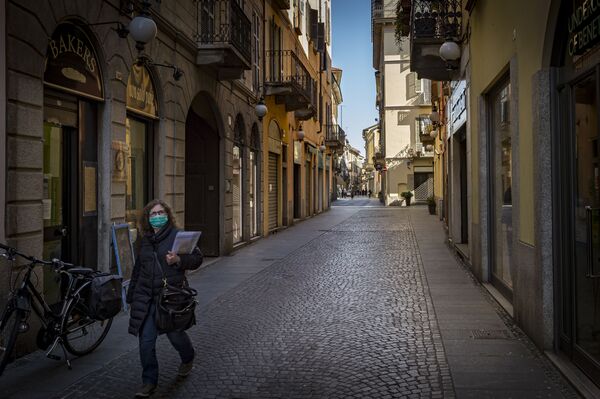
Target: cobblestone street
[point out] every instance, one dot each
(348, 314)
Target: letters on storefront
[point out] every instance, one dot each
(584, 27)
(141, 95)
(71, 62)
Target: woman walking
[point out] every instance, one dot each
(159, 231)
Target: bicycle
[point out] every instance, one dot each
(67, 324)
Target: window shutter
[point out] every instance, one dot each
(410, 85)
(314, 21)
(321, 37)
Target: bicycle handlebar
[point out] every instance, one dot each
(57, 263)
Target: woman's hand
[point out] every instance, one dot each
(172, 258)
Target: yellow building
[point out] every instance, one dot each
(522, 158)
(297, 89)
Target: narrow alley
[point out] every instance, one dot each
(359, 302)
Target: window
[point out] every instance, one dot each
(255, 51)
(413, 85)
(500, 142)
(137, 187)
(207, 21)
(236, 184)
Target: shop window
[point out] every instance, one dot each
(137, 187)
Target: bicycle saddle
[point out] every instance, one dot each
(84, 271)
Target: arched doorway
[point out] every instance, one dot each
(202, 174)
(70, 154)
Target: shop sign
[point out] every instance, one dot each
(141, 97)
(71, 62)
(584, 27)
(297, 152)
(458, 107)
(274, 146)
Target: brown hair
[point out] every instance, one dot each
(144, 219)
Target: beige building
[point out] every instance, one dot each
(520, 142)
(98, 124)
(404, 103)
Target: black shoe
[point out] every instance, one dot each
(145, 391)
(185, 369)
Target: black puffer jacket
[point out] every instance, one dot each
(146, 279)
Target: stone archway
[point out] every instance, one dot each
(202, 174)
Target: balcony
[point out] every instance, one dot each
(282, 4)
(431, 23)
(224, 38)
(335, 138)
(290, 82)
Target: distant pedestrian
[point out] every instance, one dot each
(159, 231)
(370, 192)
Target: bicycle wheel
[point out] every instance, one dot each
(81, 333)
(9, 325)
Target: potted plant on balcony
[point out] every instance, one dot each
(407, 195)
(431, 204)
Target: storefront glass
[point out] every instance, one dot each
(587, 220)
(252, 192)
(501, 177)
(53, 191)
(236, 183)
(136, 139)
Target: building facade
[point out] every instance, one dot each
(519, 108)
(96, 124)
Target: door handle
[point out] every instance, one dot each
(591, 214)
(61, 231)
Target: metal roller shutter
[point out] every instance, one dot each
(273, 191)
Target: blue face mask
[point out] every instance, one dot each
(158, 221)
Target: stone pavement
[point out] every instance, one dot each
(358, 302)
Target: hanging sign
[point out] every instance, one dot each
(71, 62)
(458, 107)
(141, 96)
(584, 27)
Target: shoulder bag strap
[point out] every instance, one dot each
(164, 279)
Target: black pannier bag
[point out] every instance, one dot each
(105, 296)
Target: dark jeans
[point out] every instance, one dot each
(148, 334)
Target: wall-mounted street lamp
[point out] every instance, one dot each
(261, 109)
(300, 133)
(143, 28)
(146, 61)
(450, 52)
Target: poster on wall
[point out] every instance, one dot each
(123, 255)
(120, 155)
(90, 194)
(71, 62)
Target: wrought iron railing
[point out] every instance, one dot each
(285, 68)
(334, 134)
(383, 8)
(436, 19)
(224, 22)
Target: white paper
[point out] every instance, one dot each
(185, 242)
(47, 209)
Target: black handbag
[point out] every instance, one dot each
(175, 306)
